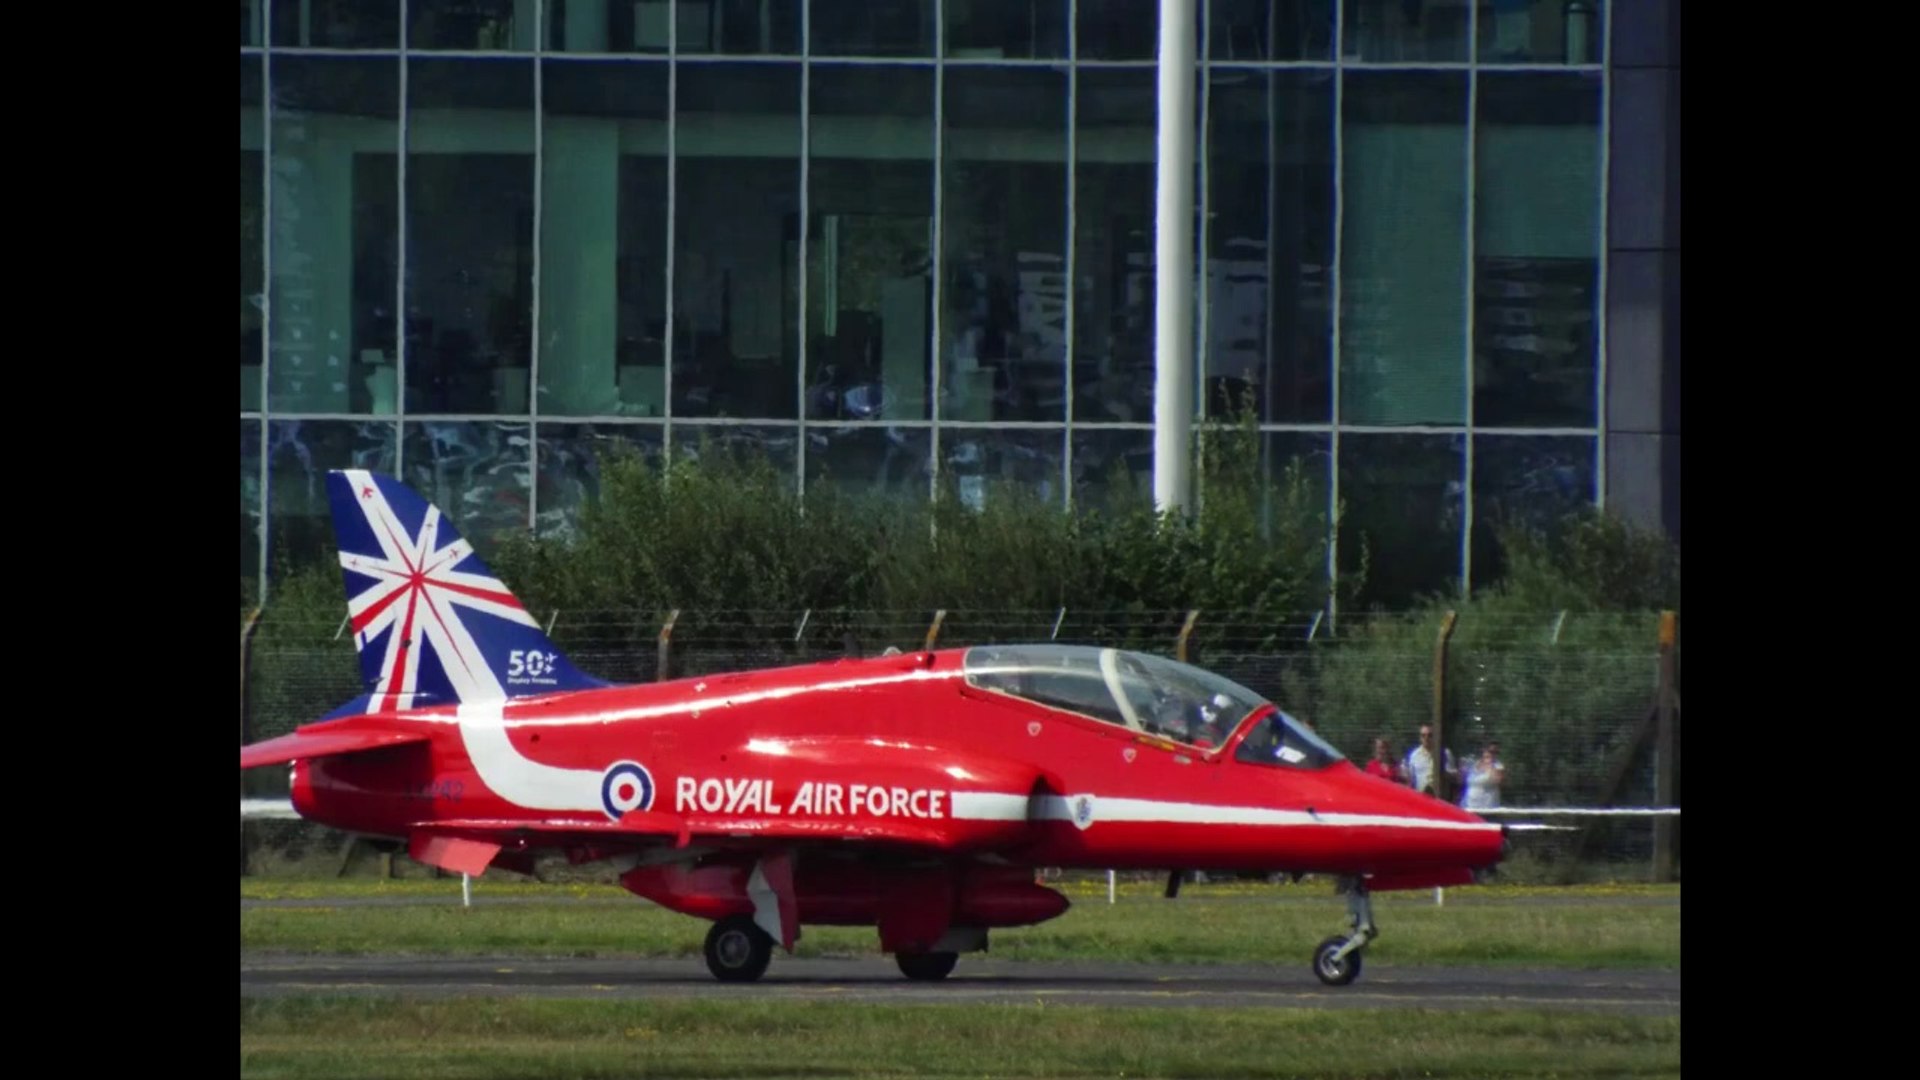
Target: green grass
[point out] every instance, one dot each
(1575, 927)
(493, 1037)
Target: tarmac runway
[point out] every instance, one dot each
(976, 980)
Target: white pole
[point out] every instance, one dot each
(1109, 886)
(1173, 262)
(466, 891)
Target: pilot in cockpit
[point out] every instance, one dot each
(1211, 729)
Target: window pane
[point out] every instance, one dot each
(250, 510)
(478, 472)
(736, 287)
(1112, 469)
(603, 239)
(869, 243)
(1003, 331)
(1537, 250)
(777, 445)
(336, 24)
(1270, 243)
(872, 27)
(1396, 31)
(740, 27)
(1309, 452)
(1405, 499)
(250, 13)
(993, 29)
(1113, 244)
(1542, 32)
(253, 232)
(1270, 29)
(1526, 480)
(859, 460)
(569, 465)
(980, 462)
(469, 235)
(1403, 283)
(299, 453)
(1125, 30)
(335, 234)
(470, 24)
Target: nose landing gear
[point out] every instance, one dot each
(1337, 959)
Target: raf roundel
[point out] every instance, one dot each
(626, 787)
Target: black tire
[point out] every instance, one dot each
(1332, 972)
(926, 966)
(737, 950)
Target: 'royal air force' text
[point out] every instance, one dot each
(758, 796)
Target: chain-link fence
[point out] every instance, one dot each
(1570, 698)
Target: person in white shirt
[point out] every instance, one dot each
(1482, 778)
(1419, 763)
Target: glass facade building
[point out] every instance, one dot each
(1436, 249)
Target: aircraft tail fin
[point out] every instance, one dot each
(432, 624)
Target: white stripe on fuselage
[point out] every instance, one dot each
(990, 806)
(515, 777)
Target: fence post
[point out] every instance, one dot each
(1663, 754)
(1186, 632)
(666, 634)
(933, 631)
(1440, 776)
(246, 714)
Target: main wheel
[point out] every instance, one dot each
(737, 950)
(927, 965)
(1335, 972)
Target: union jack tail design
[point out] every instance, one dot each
(433, 626)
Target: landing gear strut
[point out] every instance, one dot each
(1337, 959)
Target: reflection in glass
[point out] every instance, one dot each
(603, 239)
(778, 446)
(1398, 31)
(1270, 29)
(1125, 30)
(250, 509)
(335, 24)
(735, 274)
(1542, 32)
(871, 27)
(998, 29)
(474, 25)
(739, 27)
(478, 472)
(869, 243)
(1003, 331)
(1113, 245)
(1112, 468)
(1530, 481)
(1536, 250)
(570, 457)
(253, 233)
(1270, 244)
(1403, 276)
(976, 463)
(299, 453)
(1405, 499)
(469, 235)
(859, 460)
(335, 234)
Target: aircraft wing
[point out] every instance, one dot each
(470, 845)
(323, 743)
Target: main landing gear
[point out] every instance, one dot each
(1337, 959)
(738, 950)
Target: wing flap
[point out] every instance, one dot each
(317, 744)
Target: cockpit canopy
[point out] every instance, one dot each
(1148, 694)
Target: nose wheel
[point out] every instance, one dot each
(1337, 959)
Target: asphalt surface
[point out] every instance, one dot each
(977, 980)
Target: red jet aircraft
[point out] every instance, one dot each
(916, 793)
